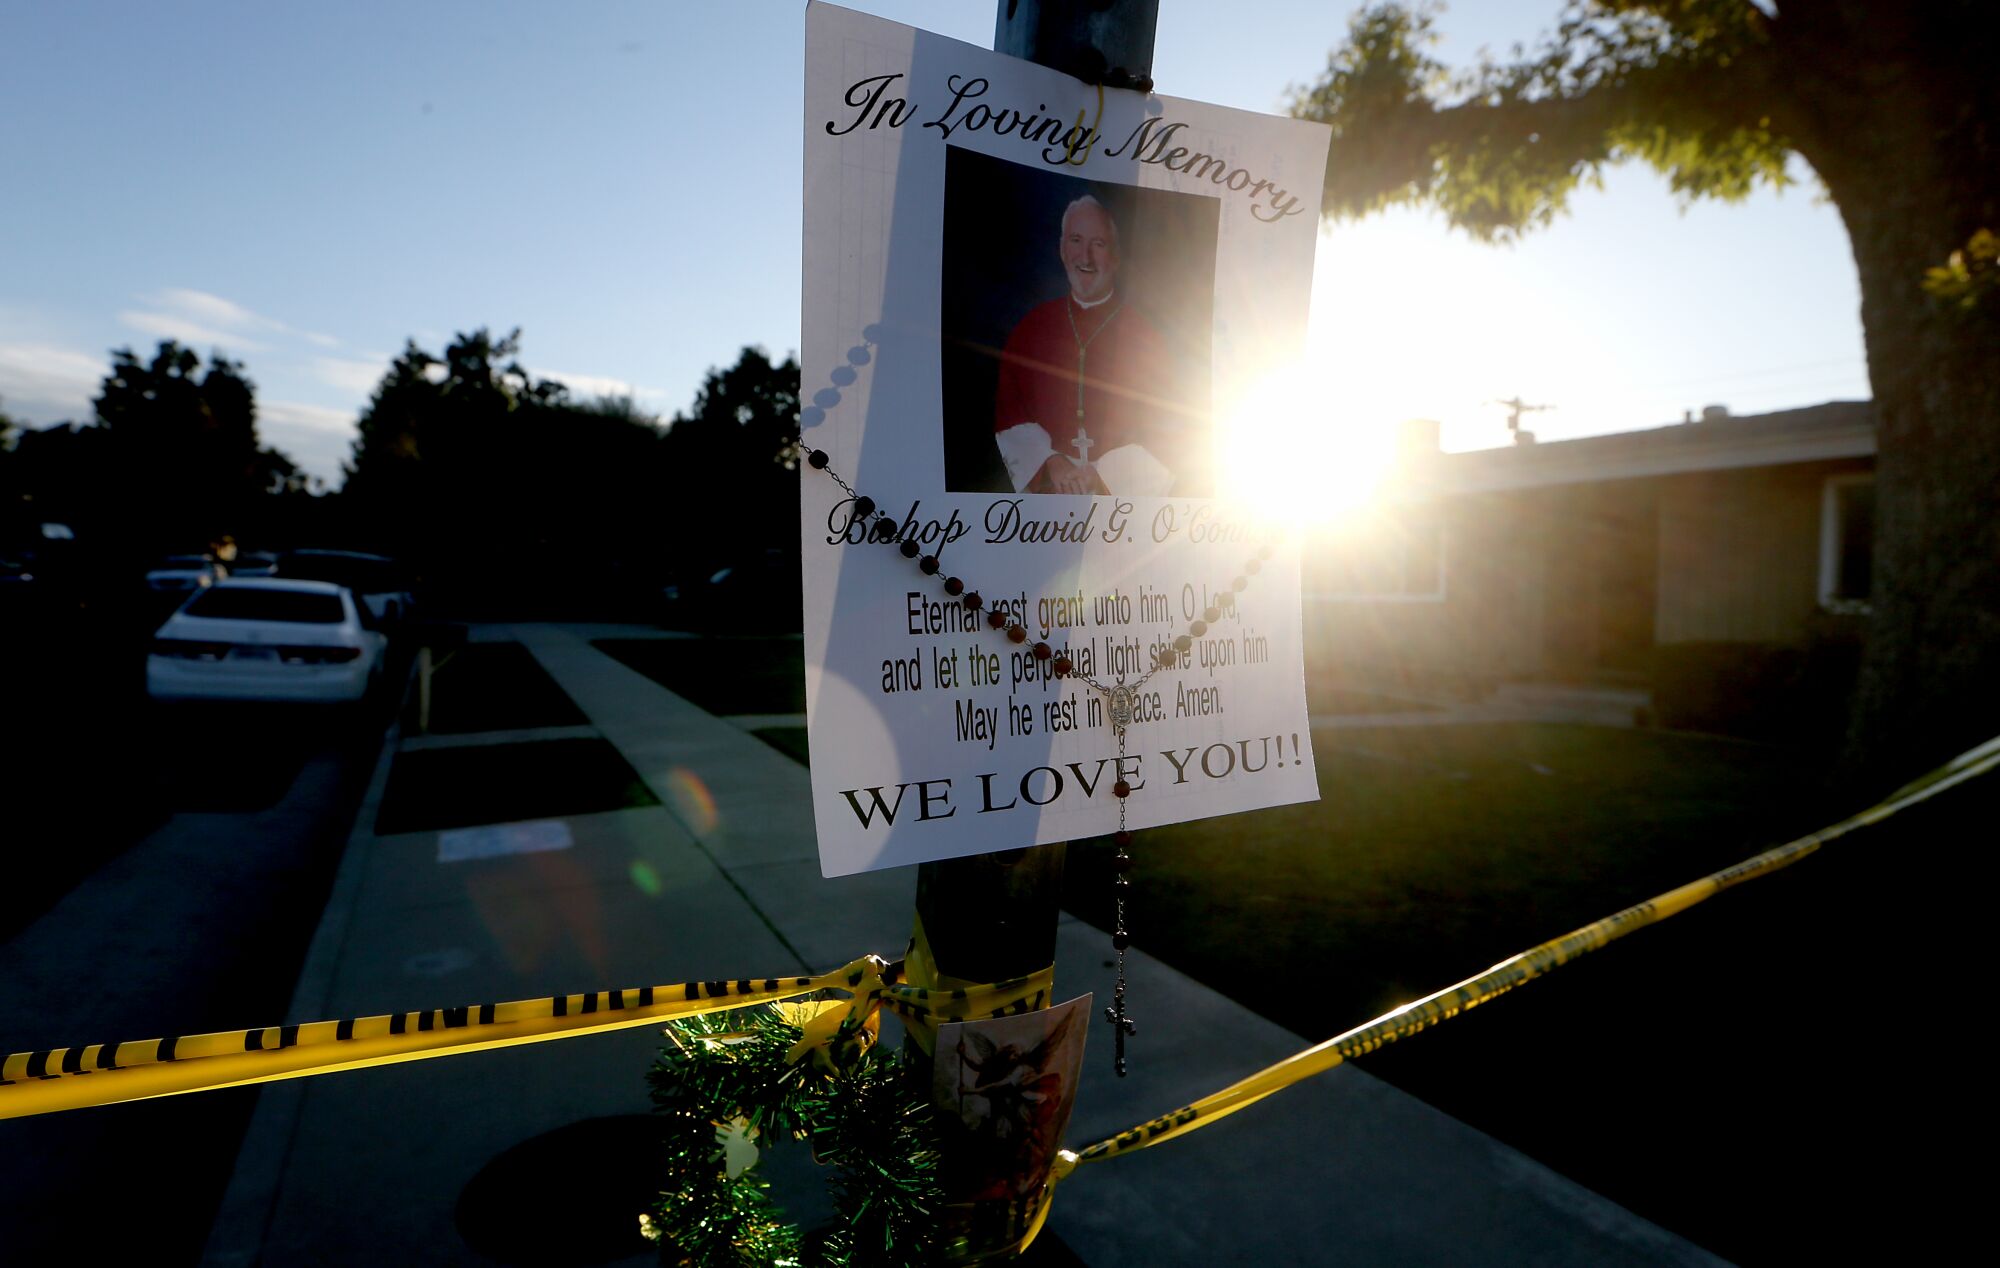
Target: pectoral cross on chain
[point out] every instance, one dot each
(1083, 443)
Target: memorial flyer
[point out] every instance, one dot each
(1030, 307)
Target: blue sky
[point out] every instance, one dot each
(307, 187)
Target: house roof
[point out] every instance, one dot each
(1837, 429)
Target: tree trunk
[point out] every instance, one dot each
(1909, 146)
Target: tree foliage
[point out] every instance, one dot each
(173, 462)
(190, 437)
(1894, 105)
(744, 427)
(1684, 86)
(495, 481)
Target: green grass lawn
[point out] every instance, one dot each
(1764, 1074)
(504, 783)
(1435, 851)
(1680, 1071)
(722, 675)
(493, 687)
(789, 740)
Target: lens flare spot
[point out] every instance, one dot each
(645, 879)
(691, 800)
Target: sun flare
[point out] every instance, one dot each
(1284, 451)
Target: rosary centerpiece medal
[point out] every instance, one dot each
(1118, 703)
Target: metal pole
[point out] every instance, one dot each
(990, 917)
(1107, 42)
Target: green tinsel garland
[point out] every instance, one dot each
(869, 1117)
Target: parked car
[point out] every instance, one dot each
(266, 638)
(379, 582)
(180, 573)
(254, 563)
(756, 592)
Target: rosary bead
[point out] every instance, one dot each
(817, 460)
(1211, 615)
(1043, 651)
(1198, 629)
(1265, 553)
(1017, 634)
(1062, 666)
(1121, 838)
(1121, 882)
(1182, 643)
(952, 585)
(1121, 940)
(1122, 863)
(1240, 583)
(973, 601)
(997, 619)
(910, 548)
(1252, 567)
(863, 507)
(1121, 789)
(929, 564)
(1167, 657)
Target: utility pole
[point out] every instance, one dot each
(1515, 408)
(990, 917)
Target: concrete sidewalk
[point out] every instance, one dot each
(722, 880)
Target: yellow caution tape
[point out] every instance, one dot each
(922, 979)
(1512, 972)
(106, 1073)
(103, 1074)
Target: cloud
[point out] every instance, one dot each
(188, 331)
(593, 385)
(589, 384)
(349, 374)
(317, 439)
(204, 318)
(203, 306)
(310, 417)
(46, 383)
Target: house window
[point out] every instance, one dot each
(1395, 556)
(1847, 543)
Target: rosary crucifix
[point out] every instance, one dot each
(1118, 698)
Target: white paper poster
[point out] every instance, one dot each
(1030, 306)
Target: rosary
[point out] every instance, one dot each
(1119, 697)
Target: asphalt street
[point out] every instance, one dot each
(199, 923)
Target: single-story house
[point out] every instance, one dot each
(1723, 563)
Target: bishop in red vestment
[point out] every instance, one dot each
(1086, 399)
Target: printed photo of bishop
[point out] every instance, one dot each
(1076, 334)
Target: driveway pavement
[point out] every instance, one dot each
(401, 1163)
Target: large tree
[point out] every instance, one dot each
(1895, 104)
(187, 463)
(505, 492)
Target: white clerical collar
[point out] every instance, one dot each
(1090, 303)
